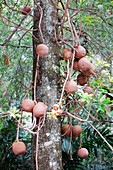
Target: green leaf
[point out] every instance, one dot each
(60, 5)
(101, 108)
(1, 124)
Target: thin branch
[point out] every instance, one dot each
(36, 156)
(36, 75)
(17, 134)
(60, 101)
(101, 136)
(15, 30)
(75, 117)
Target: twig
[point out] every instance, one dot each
(36, 156)
(15, 10)
(18, 128)
(40, 20)
(72, 33)
(29, 89)
(36, 75)
(25, 128)
(19, 46)
(40, 125)
(3, 116)
(24, 35)
(60, 101)
(75, 117)
(101, 136)
(10, 36)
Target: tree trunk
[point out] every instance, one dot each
(49, 152)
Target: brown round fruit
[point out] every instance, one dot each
(88, 90)
(83, 153)
(71, 86)
(66, 130)
(90, 71)
(82, 79)
(67, 54)
(75, 65)
(80, 51)
(84, 64)
(18, 148)
(27, 105)
(39, 109)
(26, 9)
(42, 50)
(76, 130)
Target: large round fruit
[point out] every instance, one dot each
(18, 148)
(42, 50)
(27, 105)
(76, 130)
(66, 130)
(83, 153)
(80, 51)
(71, 86)
(39, 109)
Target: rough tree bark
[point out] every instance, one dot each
(49, 153)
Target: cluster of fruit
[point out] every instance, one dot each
(82, 64)
(38, 110)
(75, 131)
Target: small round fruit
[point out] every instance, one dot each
(67, 53)
(88, 90)
(66, 130)
(26, 9)
(42, 50)
(80, 51)
(27, 105)
(83, 153)
(76, 130)
(39, 109)
(82, 79)
(18, 148)
(71, 87)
